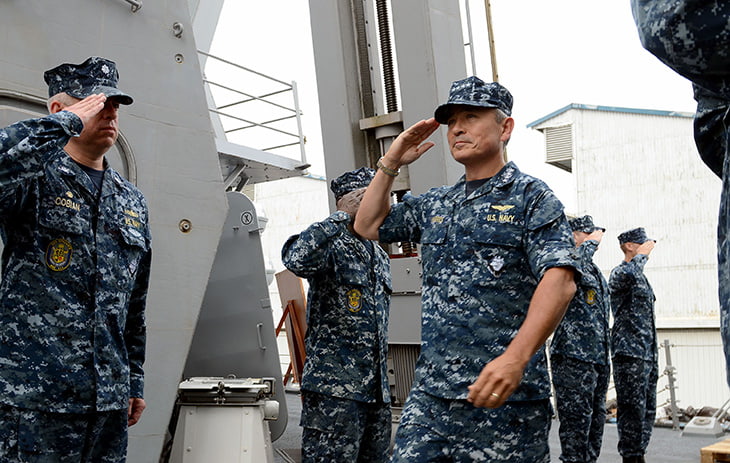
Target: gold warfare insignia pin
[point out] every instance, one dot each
(437, 219)
(58, 255)
(502, 208)
(354, 300)
(591, 296)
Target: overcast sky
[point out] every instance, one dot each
(549, 54)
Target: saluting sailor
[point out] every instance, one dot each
(75, 271)
(345, 393)
(634, 346)
(579, 354)
(498, 273)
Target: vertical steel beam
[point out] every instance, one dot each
(430, 51)
(341, 102)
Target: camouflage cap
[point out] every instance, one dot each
(95, 75)
(635, 235)
(583, 224)
(473, 91)
(351, 181)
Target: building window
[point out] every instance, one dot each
(559, 146)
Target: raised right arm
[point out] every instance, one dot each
(307, 253)
(405, 149)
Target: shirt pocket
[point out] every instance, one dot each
(352, 278)
(64, 227)
(64, 216)
(434, 235)
(435, 253)
(498, 251)
(136, 244)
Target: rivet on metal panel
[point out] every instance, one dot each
(177, 29)
(185, 226)
(179, 58)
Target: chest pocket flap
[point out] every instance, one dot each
(505, 235)
(351, 270)
(435, 234)
(134, 237)
(65, 215)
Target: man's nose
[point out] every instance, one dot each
(456, 127)
(110, 109)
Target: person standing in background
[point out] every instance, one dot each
(579, 354)
(345, 392)
(634, 346)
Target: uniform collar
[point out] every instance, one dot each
(503, 179)
(111, 184)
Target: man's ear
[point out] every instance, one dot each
(507, 126)
(55, 107)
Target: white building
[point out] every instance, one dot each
(640, 168)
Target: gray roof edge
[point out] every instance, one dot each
(615, 109)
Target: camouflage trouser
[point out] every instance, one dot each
(344, 431)
(580, 391)
(723, 257)
(442, 430)
(28, 436)
(635, 381)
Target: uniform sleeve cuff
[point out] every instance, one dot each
(136, 388)
(70, 122)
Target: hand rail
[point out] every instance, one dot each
(278, 113)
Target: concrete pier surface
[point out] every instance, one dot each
(666, 445)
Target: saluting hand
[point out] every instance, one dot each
(350, 202)
(88, 107)
(596, 235)
(646, 247)
(409, 146)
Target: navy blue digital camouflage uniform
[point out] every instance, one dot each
(693, 38)
(633, 350)
(75, 271)
(346, 396)
(579, 358)
(483, 256)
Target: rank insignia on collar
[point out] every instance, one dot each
(58, 255)
(354, 300)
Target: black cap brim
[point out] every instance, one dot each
(444, 111)
(110, 92)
